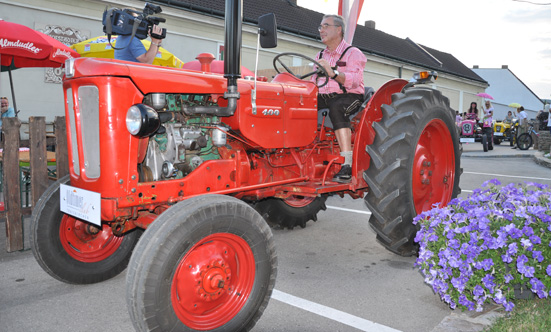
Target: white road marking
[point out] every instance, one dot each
(509, 176)
(333, 314)
(347, 210)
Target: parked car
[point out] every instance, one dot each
(503, 131)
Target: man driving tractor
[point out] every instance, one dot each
(343, 93)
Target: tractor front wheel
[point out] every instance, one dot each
(75, 251)
(207, 263)
(415, 164)
(291, 212)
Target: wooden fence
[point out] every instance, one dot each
(36, 171)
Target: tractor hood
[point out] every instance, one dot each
(151, 78)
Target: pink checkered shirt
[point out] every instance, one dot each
(353, 66)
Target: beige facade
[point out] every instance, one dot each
(188, 35)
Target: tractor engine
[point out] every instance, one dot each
(183, 142)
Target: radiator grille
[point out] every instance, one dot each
(88, 114)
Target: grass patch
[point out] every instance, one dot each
(527, 316)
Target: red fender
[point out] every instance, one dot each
(364, 132)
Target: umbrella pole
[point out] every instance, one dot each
(12, 93)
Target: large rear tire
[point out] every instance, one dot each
(72, 250)
(208, 263)
(291, 212)
(415, 164)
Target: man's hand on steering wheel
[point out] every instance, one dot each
(321, 72)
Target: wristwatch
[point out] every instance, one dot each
(336, 74)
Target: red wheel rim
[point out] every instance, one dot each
(213, 281)
(85, 242)
(299, 201)
(433, 167)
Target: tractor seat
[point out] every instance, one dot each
(368, 93)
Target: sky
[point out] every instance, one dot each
(487, 33)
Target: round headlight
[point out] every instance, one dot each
(142, 120)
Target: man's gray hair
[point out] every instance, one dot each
(338, 20)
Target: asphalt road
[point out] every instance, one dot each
(332, 275)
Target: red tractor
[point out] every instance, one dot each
(177, 174)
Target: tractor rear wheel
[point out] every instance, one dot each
(206, 263)
(415, 164)
(291, 212)
(75, 251)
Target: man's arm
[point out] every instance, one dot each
(149, 56)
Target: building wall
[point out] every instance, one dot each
(188, 34)
(506, 88)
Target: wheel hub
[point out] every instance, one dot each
(213, 280)
(432, 167)
(87, 243)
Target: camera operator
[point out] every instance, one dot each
(132, 49)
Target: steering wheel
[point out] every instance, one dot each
(320, 70)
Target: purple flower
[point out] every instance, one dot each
(459, 284)
(506, 258)
(538, 287)
(463, 300)
(488, 231)
(499, 298)
(537, 255)
(512, 249)
(528, 231)
(495, 182)
(478, 290)
(526, 270)
(526, 244)
(488, 282)
(487, 264)
(535, 239)
(513, 231)
(508, 305)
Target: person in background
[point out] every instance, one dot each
(487, 124)
(472, 112)
(509, 117)
(522, 123)
(458, 118)
(546, 108)
(7, 111)
(130, 48)
(343, 93)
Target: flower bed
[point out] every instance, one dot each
(480, 248)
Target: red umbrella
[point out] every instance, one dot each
(22, 47)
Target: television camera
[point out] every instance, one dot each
(131, 22)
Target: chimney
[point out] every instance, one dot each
(504, 67)
(475, 67)
(370, 24)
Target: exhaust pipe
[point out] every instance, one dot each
(232, 62)
(232, 42)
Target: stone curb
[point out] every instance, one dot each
(470, 321)
(541, 160)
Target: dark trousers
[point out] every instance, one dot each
(341, 106)
(489, 132)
